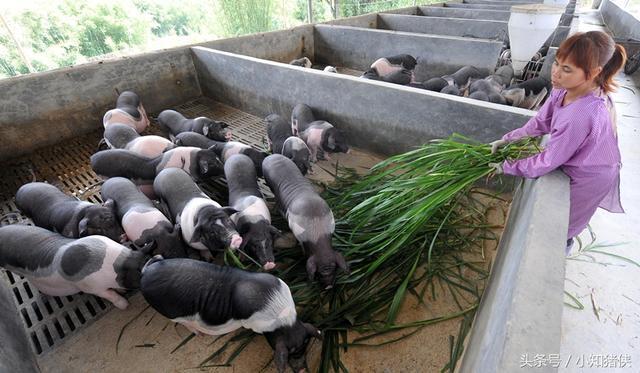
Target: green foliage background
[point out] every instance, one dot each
(59, 33)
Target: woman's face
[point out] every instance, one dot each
(565, 74)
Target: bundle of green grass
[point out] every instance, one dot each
(402, 226)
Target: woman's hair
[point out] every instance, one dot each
(588, 50)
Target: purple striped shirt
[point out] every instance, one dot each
(583, 144)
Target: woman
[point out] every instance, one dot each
(579, 117)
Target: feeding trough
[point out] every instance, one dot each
(530, 25)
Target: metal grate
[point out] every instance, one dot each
(49, 320)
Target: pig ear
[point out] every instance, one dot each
(82, 227)
(229, 210)
(197, 233)
(203, 165)
(223, 124)
(312, 331)
(281, 356)
(110, 204)
(311, 267)
(275, 231)
(342, 264)
(331, 141)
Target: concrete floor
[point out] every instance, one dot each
(605, 335)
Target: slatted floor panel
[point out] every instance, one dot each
(49, 320)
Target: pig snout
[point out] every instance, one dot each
(236, 241)
(269, 266)
(228, 135)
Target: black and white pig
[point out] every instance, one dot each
(60, 266)
(224, 150)
(205, 225)
(175, 123)
(121, 136)
(301, 62)
(129, 111)
(462, 77)
(50, 208)
(310, 218)
(528, 94)
(143, 223)
(253, 219)
(199, 163)
(318, 134)
(282, 141)
(214, 300)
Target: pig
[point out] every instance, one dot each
(281, 140)
(502, 76)
(435, 84)
(224, 150)
(451, 90)
(60, 266)
(297, 150)
(211, 299)
(479, 95)
(199, 163)
(330, 69)
(528, 94)
(302, 62)
(50, 208)
(120, 136)
(253, 219)
(128, 111)
(205, 225)
(393, 64)
(318, 134)
(175, 123)
(462, 77)
(310, 218)
(143, 223)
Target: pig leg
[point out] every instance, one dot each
(115, 298)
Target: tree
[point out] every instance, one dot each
(240, 17)
(319, 10)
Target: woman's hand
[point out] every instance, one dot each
(497, 168)
(497, 144)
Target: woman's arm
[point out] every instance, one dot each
(566, 137)
(538, 125)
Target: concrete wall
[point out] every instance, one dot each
(366, 21)
(444, 26)
(357, 48)
(282, 46)
(505, 7)
(560, 34)
(494, 15)
(548, 62)
(380, 117)
(620, 22)
(521, 309)
(45, 108)
(494, 2)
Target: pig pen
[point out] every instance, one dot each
(51, 134)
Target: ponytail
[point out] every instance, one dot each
(611, 68)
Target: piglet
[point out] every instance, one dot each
(528, 94)
(302, 62)
(120, 136)
(129, 111)
(214, 300)
(224, 150)
(175, 123)
(50, 208)
(310, 218)
(318, 134)
(461, 78)
(253, 219)
(199, 163)
(205, 225)
(60, 266)
(281, 141)
(395, 69)
(143, 223)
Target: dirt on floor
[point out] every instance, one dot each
(147, 339)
